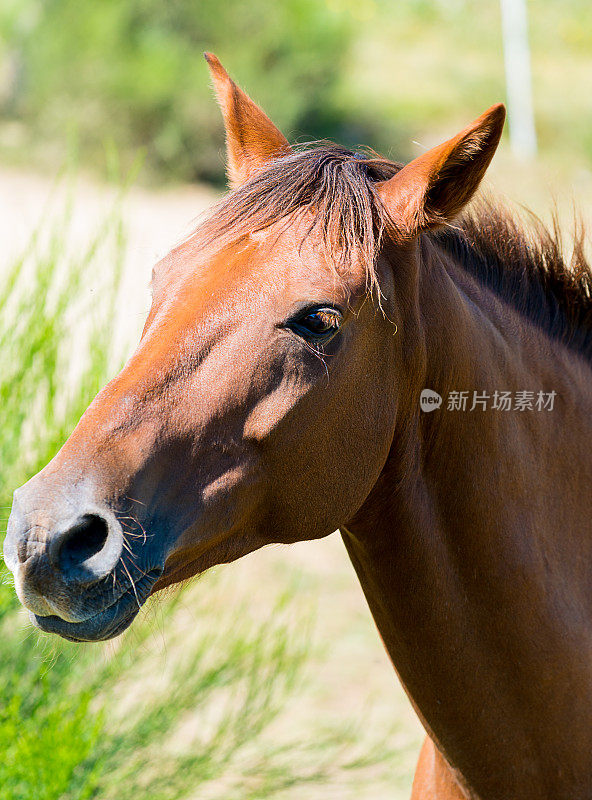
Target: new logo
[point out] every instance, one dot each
(429, 400)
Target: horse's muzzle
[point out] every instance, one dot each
(70, 571)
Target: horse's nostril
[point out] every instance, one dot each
(82, 541)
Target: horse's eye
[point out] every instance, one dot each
(318, 324)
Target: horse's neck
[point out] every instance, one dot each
(476, 562)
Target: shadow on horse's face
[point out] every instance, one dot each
(244, 417)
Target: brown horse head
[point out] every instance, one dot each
(262, 401)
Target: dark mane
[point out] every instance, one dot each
(523, 263)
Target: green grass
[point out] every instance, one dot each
(46, 731)
(201, 697)
(38, 306)
(62, 733)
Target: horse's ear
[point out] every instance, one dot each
(433, 188)
(251, 137)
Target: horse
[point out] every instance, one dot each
(343, 343)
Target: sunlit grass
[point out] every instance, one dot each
(46, 730)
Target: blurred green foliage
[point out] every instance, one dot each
(433, 65)
(133, 71)
(371, 72)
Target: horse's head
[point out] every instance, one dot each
(261, 403)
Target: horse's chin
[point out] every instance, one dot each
(105, 624)
(228, 547)
(171, 577)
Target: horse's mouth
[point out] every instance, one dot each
(107, 623)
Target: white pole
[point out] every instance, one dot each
(518, 78)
